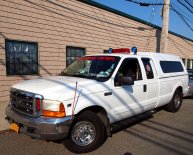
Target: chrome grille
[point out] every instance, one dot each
(23, 102)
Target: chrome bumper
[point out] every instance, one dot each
(41, 127)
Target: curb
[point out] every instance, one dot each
(4, 125)
(7, 131)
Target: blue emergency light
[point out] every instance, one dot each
(134, 50)
(110, 50)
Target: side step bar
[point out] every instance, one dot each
(115, 127)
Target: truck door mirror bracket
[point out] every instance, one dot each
(126, 80)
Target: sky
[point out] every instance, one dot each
(152, 13)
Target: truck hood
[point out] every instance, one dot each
(59, 87)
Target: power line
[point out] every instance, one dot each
(188, 16)
(173, 9)
(184, 6)
(151, 28)
(88, 16)
(82, 22)
(144, 4)
(183, 19)
(187, 42)
(177, 44)
(188, 3)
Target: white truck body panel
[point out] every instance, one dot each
(125, 101)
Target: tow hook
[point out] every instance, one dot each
(7, 118)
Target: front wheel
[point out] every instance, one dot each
(176, 102)
(87, 133)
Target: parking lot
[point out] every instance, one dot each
(163, 133)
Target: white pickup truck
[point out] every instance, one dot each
(96, 91)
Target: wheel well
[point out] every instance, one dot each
(180, 89)
(102, 114)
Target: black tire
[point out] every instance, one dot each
(176, 102)
(91, 130)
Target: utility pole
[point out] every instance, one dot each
(165, 23)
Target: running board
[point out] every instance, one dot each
(131, 121)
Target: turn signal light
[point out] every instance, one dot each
(60, 113)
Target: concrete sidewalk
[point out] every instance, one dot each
(3, 123)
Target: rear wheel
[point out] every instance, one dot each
(176, 102)
(87, 133)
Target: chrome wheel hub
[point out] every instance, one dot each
(83, 133)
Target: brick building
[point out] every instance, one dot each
(42, 37)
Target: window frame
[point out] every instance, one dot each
(24, 42)
(152, 74)
(121, 69)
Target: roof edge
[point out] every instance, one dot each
(109, 9)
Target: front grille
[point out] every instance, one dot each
(23, 102)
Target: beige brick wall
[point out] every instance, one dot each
(72, 23)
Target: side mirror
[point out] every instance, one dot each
(126, 80)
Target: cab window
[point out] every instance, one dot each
(130, 68)
(148, 68)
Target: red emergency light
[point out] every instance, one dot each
(119, 50)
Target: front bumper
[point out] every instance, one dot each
(41, 127)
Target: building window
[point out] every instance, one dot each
(192, 64)
(189, 64)
(184, 61)
(73, 53)
(21, 57)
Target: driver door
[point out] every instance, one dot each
(129, 100)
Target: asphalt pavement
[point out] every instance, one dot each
(162, 134)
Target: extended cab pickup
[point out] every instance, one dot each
(96, 91)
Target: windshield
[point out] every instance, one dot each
(190, 73)
(92, 67)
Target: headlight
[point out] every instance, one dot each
(53, 108)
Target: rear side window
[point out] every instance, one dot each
(148, 68)
(171, 66)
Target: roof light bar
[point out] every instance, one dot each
(123, 50)
(119, 50)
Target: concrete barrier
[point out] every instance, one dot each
(4, 125)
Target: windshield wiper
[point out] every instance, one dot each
(63, 74)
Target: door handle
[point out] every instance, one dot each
(107, 93)
(144, 88)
